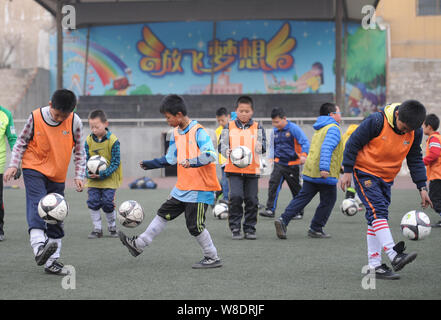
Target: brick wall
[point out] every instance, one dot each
(415, 79)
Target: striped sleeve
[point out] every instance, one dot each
(434, 151)
(21, 143)
(79, 150)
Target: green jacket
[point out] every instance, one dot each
(6, 129)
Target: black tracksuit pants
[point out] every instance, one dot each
(243, 190)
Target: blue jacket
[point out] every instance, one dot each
(370, 128)
(330, 142)
(288, 144)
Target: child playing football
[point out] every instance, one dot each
(373, 156)
(44, 148)
(192, 149)
(243, 182)
(102, 187)
(432, 160)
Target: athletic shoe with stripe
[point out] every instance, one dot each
(130, 244)
(401, 259)
(57, 268)
(45, 251)
(385, 273)
(207, 263)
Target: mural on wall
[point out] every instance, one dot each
(245, 57)
(365, 71)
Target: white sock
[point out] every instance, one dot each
(111, 219)
(374, 248)
(56, 254)
(37, 237)
(206, 243)
(96, 219)
(384, 236)
(155, 227)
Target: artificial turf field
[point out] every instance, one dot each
(265, 269)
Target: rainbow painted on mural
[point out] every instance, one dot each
(101, 59)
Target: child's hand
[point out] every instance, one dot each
(79, 184)
(93, 176)
(346, 181)
(141, 164)
(302, 159)
(9, 173)
(324, 174)
(185, 163)
(425, 200)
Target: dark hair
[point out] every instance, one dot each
(221, 112)
(64, 100)
(432, 120)
(412, 113)
(98, 114)
(173, 104)
(327, 108)
(244, 99)
(278, 112)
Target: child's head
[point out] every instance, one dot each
(62, 103)
(410, 116)
(278, 118)
(222, 116)
(431, 124)
(98, 123)
(174, 109)
(332, 110)
(244, 108)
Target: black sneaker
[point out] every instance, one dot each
(130, 244)
(436, 225)
(207, 263)
(280, 228)
(57, 268)
(113, 232)
(237, 235)
(317, 234)
(401, 259)
(2, 237)
(45, 251)
(267, 213)
(95, 234)
(250, 235)
(385, 273)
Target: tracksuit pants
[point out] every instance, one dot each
(328, 197)
(281, 173)
(243, 190)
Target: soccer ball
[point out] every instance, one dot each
(349, 207)
(415, 225)
(96, 163)
(220, 211)
(241, 157)
(53, 208)
(130, 214)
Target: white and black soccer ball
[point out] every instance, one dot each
(349, 207)
(53, 208)
(130, 214)
(96, 163)
(415, 225)
(220, 211)
(241, 156)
